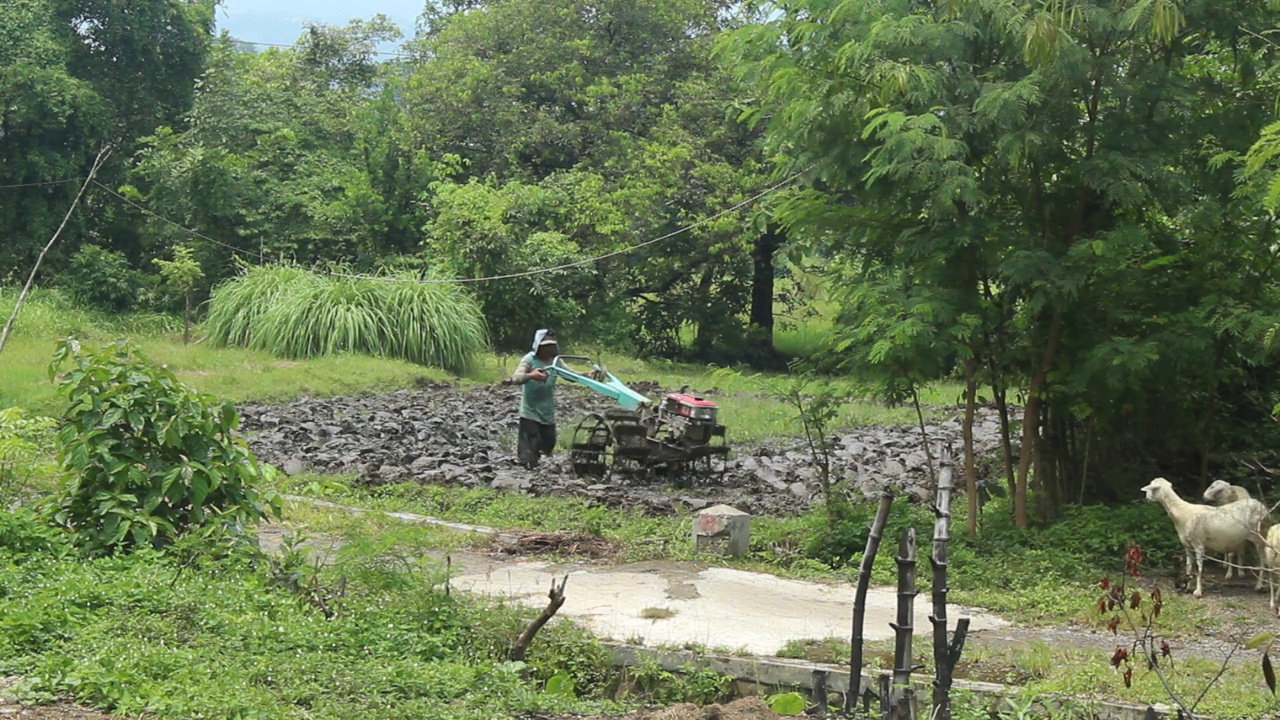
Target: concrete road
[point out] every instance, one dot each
(667, 603)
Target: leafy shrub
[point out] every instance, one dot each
(150, 459)
(294, 313)
(26, 533)
(25, 445)
(102, 279)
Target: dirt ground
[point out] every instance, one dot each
(465, 436)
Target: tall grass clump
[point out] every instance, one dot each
(54, 313)
(235, 307)
(294, 313)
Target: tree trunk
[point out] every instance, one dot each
(762, 289)
(860, 598)
(1031, 419)
(186, 320)
(970, 465)
(1006, 434)
(924, 435)
(556, 599)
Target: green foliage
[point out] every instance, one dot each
(181, 274)
(658, 686)
(1027, 211)
(298, 314)
(787, 703)
(149, 459)
(151, 633)
(26, 445)
(101, 279)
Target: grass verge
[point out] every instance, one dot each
(1044, 578)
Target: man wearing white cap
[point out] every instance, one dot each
(538, 400)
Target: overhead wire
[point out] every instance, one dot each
(489, 278)
(586, 261)
(183, 228)
(41, 183)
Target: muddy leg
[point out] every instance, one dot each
(529, 442)
(1199, 571)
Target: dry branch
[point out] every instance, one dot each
(556, 595)
(13, 317)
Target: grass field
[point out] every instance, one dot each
(251, 375)
(1042, 576)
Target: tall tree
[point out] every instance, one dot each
(1047, 173)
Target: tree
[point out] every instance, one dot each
(75, 74)
(182, 273)
(1049, 175)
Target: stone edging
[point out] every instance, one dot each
(776, 674)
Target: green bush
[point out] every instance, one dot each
(149, 458)
(102, 279)
(26, 443)
(294, 313)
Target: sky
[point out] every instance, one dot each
(280, 21)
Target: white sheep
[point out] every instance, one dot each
(1222, 492)
(1204, 528)
(1271, 564)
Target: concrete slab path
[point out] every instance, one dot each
(673, 604)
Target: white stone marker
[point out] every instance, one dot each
(722, 530)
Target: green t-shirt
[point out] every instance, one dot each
(538, 399)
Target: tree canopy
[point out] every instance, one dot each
(1070, 205)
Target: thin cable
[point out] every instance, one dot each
(38, 184)
(576, 263)
(248, 253)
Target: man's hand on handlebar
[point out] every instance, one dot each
(538, 374)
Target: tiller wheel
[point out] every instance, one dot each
(592, 452)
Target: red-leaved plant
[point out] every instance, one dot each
(1138, 612)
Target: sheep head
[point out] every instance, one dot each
(1157, 487)
(1217, 490)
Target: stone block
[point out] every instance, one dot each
(722, 530)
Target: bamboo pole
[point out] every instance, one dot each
(944, 655)
(903, 628)
(860, 599)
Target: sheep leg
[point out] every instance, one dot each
(1260, 546)
(1199, 571)
(1229, 559)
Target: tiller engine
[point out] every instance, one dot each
(679, 438)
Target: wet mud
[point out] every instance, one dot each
(465, 436)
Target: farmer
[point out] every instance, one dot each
(538, 400)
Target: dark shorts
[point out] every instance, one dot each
(535, 441)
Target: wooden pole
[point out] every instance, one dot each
(860, 599)
(903, 628)
(103, 154)
(945, 656)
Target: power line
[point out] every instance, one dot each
(509, 276)
(39, 184)
(161, 218)
(576, 263)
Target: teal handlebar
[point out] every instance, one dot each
(600, 380)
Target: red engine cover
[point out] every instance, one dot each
(690, 400)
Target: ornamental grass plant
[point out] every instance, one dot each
(295, 313)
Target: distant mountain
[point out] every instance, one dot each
(281, 21)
